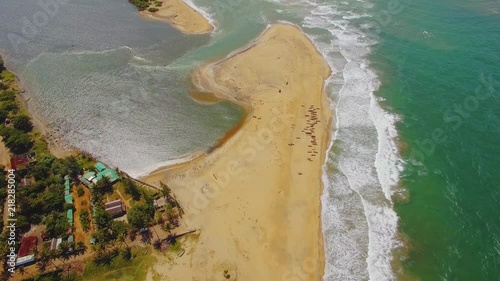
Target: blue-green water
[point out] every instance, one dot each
(440, 66)
(407, 168)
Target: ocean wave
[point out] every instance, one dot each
(363, 165)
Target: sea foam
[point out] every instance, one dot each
(363, 165)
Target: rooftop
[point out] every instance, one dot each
(27, 245)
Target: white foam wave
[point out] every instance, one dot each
(203, 11)
(359, 223)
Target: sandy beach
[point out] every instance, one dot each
(181, 16)
(256, 198)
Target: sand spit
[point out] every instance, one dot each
(256, 198)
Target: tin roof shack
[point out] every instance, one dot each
(26, 260)
(115, 208)
(67, 191)
(54, 244)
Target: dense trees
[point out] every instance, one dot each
(17, 141)
(85, 220)
(140, 4)
(56, 224)
(16, 137)
(131, 188)
(22, 122)
(141, 215)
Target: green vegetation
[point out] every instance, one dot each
(79, 191)
(141, 215)
(158, 3)
(42, 201)
(16, 140)
(118, 268)
(85, 220)
(131, 188)
(22, 122)
(140, 4)
(152, 10)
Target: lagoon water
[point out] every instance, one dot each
(115, 85)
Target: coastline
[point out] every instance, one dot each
(256, 197)
(55, 144)
(182, 16)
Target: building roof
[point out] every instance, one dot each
(54, 244)
(69, 215)
(100, 167)
(19, 162)
(25, 260)
(113, 203)
(89, 175)
(68, 199)
(27, 244)
(110, 174)
(66, 182)
(116, 210)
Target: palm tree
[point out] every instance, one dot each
(123, 238)
(165, 191)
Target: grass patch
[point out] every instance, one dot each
(7, 76)
(120, 269)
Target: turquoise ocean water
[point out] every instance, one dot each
(413, 161)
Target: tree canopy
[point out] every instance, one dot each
(141, 215)
(22, 122)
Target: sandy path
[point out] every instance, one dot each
(256, 199)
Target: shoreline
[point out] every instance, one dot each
(181, 15)
(285, 192)
(55, 144)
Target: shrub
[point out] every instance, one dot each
(7, 96)
(131, 188)
(80, 191)
(141, 215)
(140, 4)
(152, 10)
(18, 141)
(22, 122)
(85, 220)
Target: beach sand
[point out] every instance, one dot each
(256, 197)
(181, 16)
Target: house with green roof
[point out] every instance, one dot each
(90, 178)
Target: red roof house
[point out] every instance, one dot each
(19, 162)
(27, 245)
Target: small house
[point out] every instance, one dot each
(54, 244)
(115, 208)
(27, 245)
(26, 260)
(19, 162)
